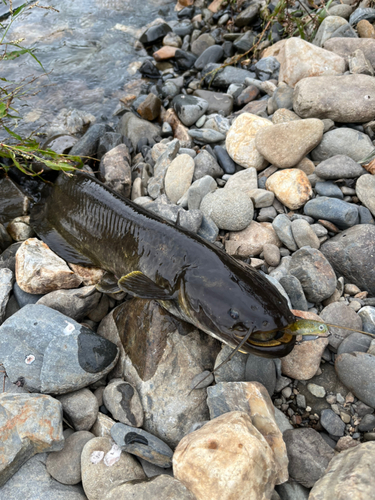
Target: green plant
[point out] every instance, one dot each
(21, 152)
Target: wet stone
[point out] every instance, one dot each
(19, 229)
(201, 44)
(81, 407)
(142, 444)
(48, 352)
(155, 33)
(189, 108)
(65, 465)
(212, 54)
(108, 141)
(122, 400)
(208, 229)
(13, 203)
(88, 144)
(217, 102)
(115, 170)
(185, 60)
(328, 189)
(341, 213)
(224, 160)
(6, 282)
(332, 423)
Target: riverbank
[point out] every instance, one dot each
(267, 156)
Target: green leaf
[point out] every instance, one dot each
(13, 134)
(14, 54)
(3, 109)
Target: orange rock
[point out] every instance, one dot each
(250, 241)
(291, 186)
(180, 132)
(215, 6)
(164, 53)
(181, 4)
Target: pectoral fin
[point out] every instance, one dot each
(108, 284)
(140, 285)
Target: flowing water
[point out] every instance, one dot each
(87, 48)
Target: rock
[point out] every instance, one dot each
(247, 95)
(332, 423)
(212, 54)
(349, 254)
(230, 433)
(142, 444)
(344, 47)
(286, 144)
(244, 42)
(206, 165)
(234, 369)
(6, 282)
(365, 29)
(39, 270)
(341, 10)
(340, 98)
(103, 425)
(104, 466)
(198, 190)
(115, 170)
(345, 443)
(291, 187)
(30, 424)
(304, 235)
(19, 229)
(162, 486)
(89, 275)
(338, 313)
(33, 481)
(367, 315)
(122, 400)
(250, 241)
(327, 28)
(244, 180)
(135, 128)
(355, 372)
(185, 60)
(343, 141)
(360, 14)
(191, 220)
(208, 230)
(162, 356)
(300, 59)
(267, 68)
(45, 351)
(283, 228)
(155, 33)
(262, 371)
(271, 254)
(295, 292)
(308, 454)
(88, 144)
(350, 471)
(315, 273)
(282, 99)
(161, 55)
(108, 141)
(358, 64)
(81, 407)
(341, 213)
(224, 160)
(217, 102)
(240, 141)
(367, 423)
(229, 210)
(155, 185)
(339, 167)
(303, 362)
(253, 399)
(316, 390)
(202, 43)
(13, 203)
(291, 490)
(178, 177)
(189, 108)
(365, 190)
(206, 136)
(76, 303)
(247, 16)
(65, 465)
(354, 342)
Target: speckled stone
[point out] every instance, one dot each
(122, 400)
(178, 177)
(291, 187)
(229, 209)
(250, 241)
(343, 141)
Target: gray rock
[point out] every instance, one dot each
(261, 370)
(330, 24)
(343, 141)
(332, 423)
(271, 254)
(314, 272)
(30, 424)
(247, 16)
(344, 47)
(142, 444)
(81, 407)
(198, 190)
(8, 257)
(267, 68)
(355, 370)
(367, 423)
(354, 342)
(162, 487)
(190, 220)
(156, 184)
(277, 284)
(283, 228)
(367, 315)
(282, 421)
(189, 108)
(152, 470)
(352, 255)
(19, 229)
(365, 190)
(282, 98)
(32, 481)
(155, 33)
(115, 170)
(217, 102)
(308, 454)
(6, 283)
(122, 400)
(341, 213)
(48, 352)
(202, 43)
(5, 239)
(13, 203)
(363, 409)
(88, 144)
(206, 135)
(328, 189)
(208, 229)
(303, 234)
(339, 313)
(206, 165)
(229, 209)
(344, 31)
(244, 42)
(291, 490)
(234, 369)
(135, 128)
(65, 465)
(359, 14)
(225, 77)
(294, 289)
(107, 142)
(212, 54)
(76, 303)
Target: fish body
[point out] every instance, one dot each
(86, 223)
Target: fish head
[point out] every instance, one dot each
(229, 302)
(309, 329)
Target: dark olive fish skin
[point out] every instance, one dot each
(86, 223)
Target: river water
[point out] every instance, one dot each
(88, 50)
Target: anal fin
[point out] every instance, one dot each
(142, 286)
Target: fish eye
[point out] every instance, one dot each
(321, 328)
(234, 314)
